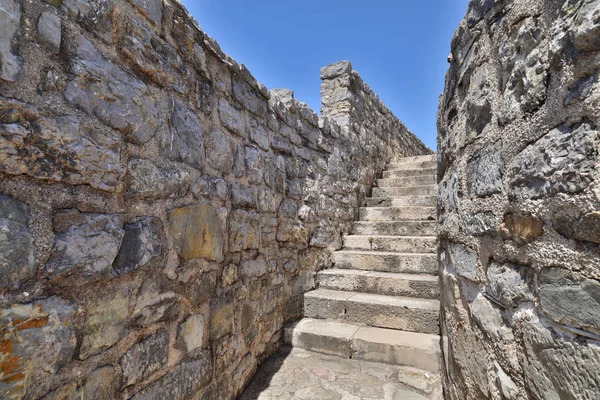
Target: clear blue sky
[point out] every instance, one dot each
(399, 47)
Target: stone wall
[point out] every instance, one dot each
(161, 212)
(519, 203)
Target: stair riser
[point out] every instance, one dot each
(330, 345)
(412, 165)
(388, 263)
(380, 285)
(412, 159)
(377, 315)
(429, 360)
(404, 173)
(397, 213)
(400, 228)
(409, 191)
(395, 244)
(407, 201)
(407, 182)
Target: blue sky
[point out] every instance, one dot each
(399, 47)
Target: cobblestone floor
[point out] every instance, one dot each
(299, 374)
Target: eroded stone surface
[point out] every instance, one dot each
(141, 247)
(145, 358)
(112, 95)
(186, 142)
(10, 19)
(149, 181)
(197, 232)
(47, 146)
(17, 263)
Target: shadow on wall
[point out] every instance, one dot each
(519, 202)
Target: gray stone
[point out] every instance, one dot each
(239, 164)
(186, 142)
(477, 10)
(197, 232)
(253, 268)
(336, 69)
(10, 19)
(94, 15)
(484, 175)
(101, 384)
(260, 135)
(203, 288)
(115, 97)
(34, 335)
(17, 263)
(506, 284)
(214, 189)
(581, 89)
(508, 388)
(151, 8)
(151, 56)
(88, 247)
(46, 146)
(464, 261)
(229, 275)
(49, 28)
(574, 32)
(145, 358)
(150, 182)
(219, 151)
(106, 321)
(268, 200)
(524, 71)
(141, 246)
(182, 381)
(232, 119)
(190, 335)
(244, 230)
(570, 298)
(562, 161)
(488, 317)
(156, 302)
(247, 96)
(478, 224)
(478, 106)
(585, 227)
(254, 165)
(325, 235)
(556, 368)
(243, 196)
(449, 194)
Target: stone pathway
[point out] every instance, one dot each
(300, 374)
(379, 304)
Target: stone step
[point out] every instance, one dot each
(429, 190)
(400, 244)
(424, 164)
(398, 228)
(386, 283)
(413, 159)
(417, 350)
(402, 201)
(386, 261)
(408, 314)
(406, 172)
(397, 213)
(408, 181)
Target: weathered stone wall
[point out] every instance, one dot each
(520, 202)
(161, 212)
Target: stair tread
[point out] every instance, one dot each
(375, 299)
(393, 236)
(382, 253)
(377, 274)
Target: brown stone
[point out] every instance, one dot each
(521, 228)
(197, 232)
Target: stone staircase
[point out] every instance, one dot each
(380, 302)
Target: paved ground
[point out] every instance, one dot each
(299, 374)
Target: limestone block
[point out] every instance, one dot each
(464, 261)
(141, 247)
(34, 335)
(570, 298)
(46, 146)
(10, 19)
(254, 165)
(260, 135)
(251, 269)
(219, 150)
(101, 384)
(190, 335)
(185, 379)
(562, 161)
(484, 174)
(106, 321)
(155, 302)
(197, 232)
(244, 230)
(152, 9)
(521, 228)
(150, 182)
(243, 196)
(186, 142)
(215, 189)
(232, 118)
(203, 288)
(17, 263)
(506, 284)
(115, 97)
(336, 69)
(145, 358)
(49, 29)
(86, 245)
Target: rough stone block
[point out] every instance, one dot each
(197, 232)
(336, 69)
(49, 29)
(141, 247)
(190, 335)
(17, 263)
(232, 118)
(10, 19)
(244, 231)
(186, 142)
(145, 358)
